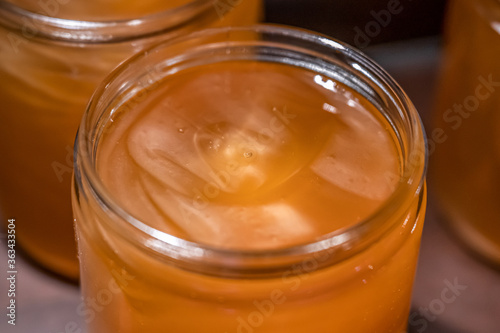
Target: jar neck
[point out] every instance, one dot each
(31, 25)
(260, 43)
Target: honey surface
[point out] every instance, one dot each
(249, 155)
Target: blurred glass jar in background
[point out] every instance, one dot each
(50, 62)
(465, 167)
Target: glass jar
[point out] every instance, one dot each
(465, 172)
(49, 65)
(216, 189)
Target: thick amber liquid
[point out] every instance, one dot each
(44, 88)
(98, 10)
(465, 168)
(234, 12)
(248, 156)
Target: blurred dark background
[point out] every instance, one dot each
(361, 22)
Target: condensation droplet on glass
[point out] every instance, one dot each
(181, 130)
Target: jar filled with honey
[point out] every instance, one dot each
(52, 56)
(259, 179)
(465, 166)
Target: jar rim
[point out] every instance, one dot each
(29, 24)
(410, 186)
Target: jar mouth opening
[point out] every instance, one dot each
(316, 50)
(29, 24)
